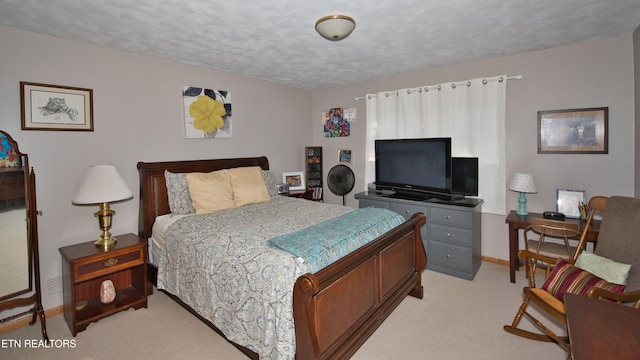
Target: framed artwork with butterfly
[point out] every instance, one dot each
(54, 107)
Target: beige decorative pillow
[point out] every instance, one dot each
(210, 192)
(248, 185)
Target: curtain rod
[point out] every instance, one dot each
(514, 77)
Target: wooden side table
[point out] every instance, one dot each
(304, 194)
(85, 267)
(602, 330)
(517, 222)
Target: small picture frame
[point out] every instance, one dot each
(54, 107)
(573, 131)
(344, 156)
(569, 201)
(294, 179)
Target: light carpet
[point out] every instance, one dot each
(456, 319)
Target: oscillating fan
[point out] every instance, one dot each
(341, 181)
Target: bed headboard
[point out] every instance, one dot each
(153, 189)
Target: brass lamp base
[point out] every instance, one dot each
(106, 241)
(106, 244)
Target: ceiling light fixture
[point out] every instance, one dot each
(335, 27)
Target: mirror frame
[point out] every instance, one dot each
(13, 300)
(25, 171)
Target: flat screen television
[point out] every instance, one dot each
(464, 176)
(414, 166)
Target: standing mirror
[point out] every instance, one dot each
(19, 259)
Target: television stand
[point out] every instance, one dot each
(452, 233)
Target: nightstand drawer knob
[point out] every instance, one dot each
(110, 262)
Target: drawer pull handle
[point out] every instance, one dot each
(448, 235)
(448, 256)
(448, 217)
(110, 262)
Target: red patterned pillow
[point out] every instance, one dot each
(566, 278)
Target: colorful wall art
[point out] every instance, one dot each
(335, 123)
(207, 113)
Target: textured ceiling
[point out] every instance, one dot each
(275, 39)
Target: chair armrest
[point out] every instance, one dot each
(626, 297)
(526, 254)
(531, 260)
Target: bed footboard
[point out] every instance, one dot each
(339, 307)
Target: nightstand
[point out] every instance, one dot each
(85, 267)
(304, 194)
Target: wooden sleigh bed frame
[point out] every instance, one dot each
(340, 306)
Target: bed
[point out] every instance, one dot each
(335, 309)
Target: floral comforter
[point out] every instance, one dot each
(220, 265)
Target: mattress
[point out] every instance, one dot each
(156, 241)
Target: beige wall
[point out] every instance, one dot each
(594, 74)
(138, 117)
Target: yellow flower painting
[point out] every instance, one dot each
(207, 113)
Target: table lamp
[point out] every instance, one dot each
(101, 185)
(523, 183)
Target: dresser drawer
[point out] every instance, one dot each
(449, 234)
(450, 256)
(407, 210)
(109, 263)
(365, 203)
(451, 217)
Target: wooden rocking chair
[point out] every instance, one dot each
(618, 240)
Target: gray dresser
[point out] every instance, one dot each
(451, 235)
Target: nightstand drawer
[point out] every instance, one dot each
(110, 262)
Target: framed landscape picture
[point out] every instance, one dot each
(573, 131)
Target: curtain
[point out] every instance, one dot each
(471, 113)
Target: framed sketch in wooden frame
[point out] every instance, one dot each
(294, 179)
(573, 131)
(344, 156)
(569, 201)
(54, 107)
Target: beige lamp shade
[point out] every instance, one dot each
(102, 183)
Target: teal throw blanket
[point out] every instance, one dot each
(321, 244)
